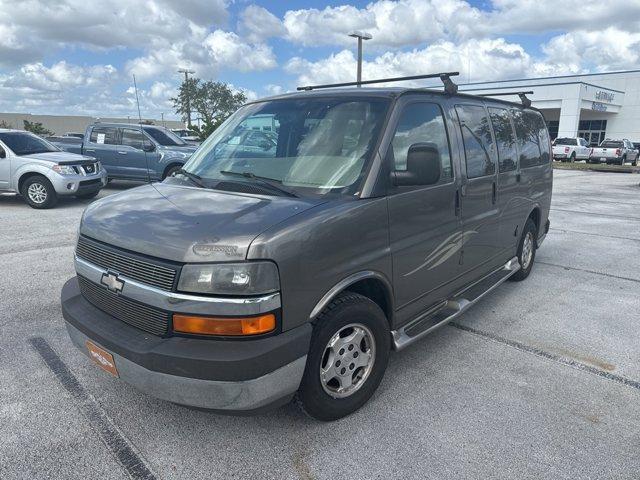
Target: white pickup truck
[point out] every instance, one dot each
(570, 149)
(614, 151)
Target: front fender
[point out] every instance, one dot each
(27, 169)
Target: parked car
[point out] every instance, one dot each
(241, 282)
(133, 152)
(570, 149)
(614, 151)
(41, 172)
(187, 135)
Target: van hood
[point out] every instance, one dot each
(187, 224)
(57, 157)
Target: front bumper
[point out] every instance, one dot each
(78, 184)
(235, 376)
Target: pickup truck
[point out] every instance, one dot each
(40, 172)
(570, 149)
(131, 151)
(614, 151)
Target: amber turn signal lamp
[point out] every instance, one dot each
(224, 326)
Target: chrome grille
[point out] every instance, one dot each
(126, 264)
(149, 319)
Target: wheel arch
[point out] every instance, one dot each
(373, 285)
(27, 173)
(169, 167)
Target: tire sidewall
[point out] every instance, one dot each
(347, 309)
(52, 197)
(523, 273)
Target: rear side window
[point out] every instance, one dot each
(528, 133)
(103, 135)
(478, 144)
(422, 123)
(132, 138)
(505, 139)
(565, 141)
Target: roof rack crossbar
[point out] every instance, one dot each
(526, 102)
(449, 86)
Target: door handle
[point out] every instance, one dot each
(122, 153)
(494, 193)
(457, 203)
(90, 150)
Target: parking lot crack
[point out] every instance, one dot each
(122, 449)
(618, 277)
(550, 356)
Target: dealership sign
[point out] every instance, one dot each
(607, 96)
(600, 107)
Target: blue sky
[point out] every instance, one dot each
(77, 56)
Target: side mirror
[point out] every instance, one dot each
(423, 166)
(148, 147)
(3, 154)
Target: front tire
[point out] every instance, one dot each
(572, 158)
(170, 171)
(347, 358)
(526, 250)
(39, 193)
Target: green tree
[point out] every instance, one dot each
(37, 128)
(213, 102)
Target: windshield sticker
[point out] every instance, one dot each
(100, 138)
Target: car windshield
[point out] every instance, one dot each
(24, 143)
(611, 144)
(311, 146)
(165, 137)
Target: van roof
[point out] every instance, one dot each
(385, 92)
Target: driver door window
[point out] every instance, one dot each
(132, 138)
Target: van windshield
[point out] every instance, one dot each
(23, 143)
(313, 146)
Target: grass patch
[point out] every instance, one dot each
(594, 167)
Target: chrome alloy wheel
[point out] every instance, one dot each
(347, 360)
(527, 250)
(37, 193)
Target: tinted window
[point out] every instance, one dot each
(103, 135)
(505, 139)
(478, 144)
(543, 135)
(528, 132)
(165, 137)
(565, 141)
(422, 123)
(23, 143)
(610, 144)
(132, 138)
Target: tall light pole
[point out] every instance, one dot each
(360, 36)
(186, 72)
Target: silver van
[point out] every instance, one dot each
(254, 277)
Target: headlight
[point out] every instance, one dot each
(249, 278)
(64, 169)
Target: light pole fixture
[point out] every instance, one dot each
(360, 36)
(186, 72)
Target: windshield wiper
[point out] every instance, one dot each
(197, 179)
(272, 183)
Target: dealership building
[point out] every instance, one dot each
(593, 106)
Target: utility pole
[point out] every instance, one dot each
(186, 72)
(162, 117)
(360, 36)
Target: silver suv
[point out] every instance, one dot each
(41, 172)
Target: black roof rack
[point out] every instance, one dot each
(449, 87)
(526, 102)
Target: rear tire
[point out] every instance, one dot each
(347, 358)
(526, 250)
(572, 158)
(39, 193)
(623, 160)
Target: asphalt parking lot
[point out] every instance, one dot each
(539, 380)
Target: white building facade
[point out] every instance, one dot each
(592, 106)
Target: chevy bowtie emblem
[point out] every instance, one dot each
(112, 282)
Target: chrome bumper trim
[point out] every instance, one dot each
(180, 302)
(238, 396)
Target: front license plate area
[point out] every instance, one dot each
(102, 358)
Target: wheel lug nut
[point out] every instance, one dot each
(338, 363)
(341, 352)
(350, 347)
(351, 367)
(343, 370)
(355, 354)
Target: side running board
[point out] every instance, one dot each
(450, 309)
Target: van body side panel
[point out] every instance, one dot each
(316, 250)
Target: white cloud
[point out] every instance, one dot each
(258, 24)
(226, 48)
